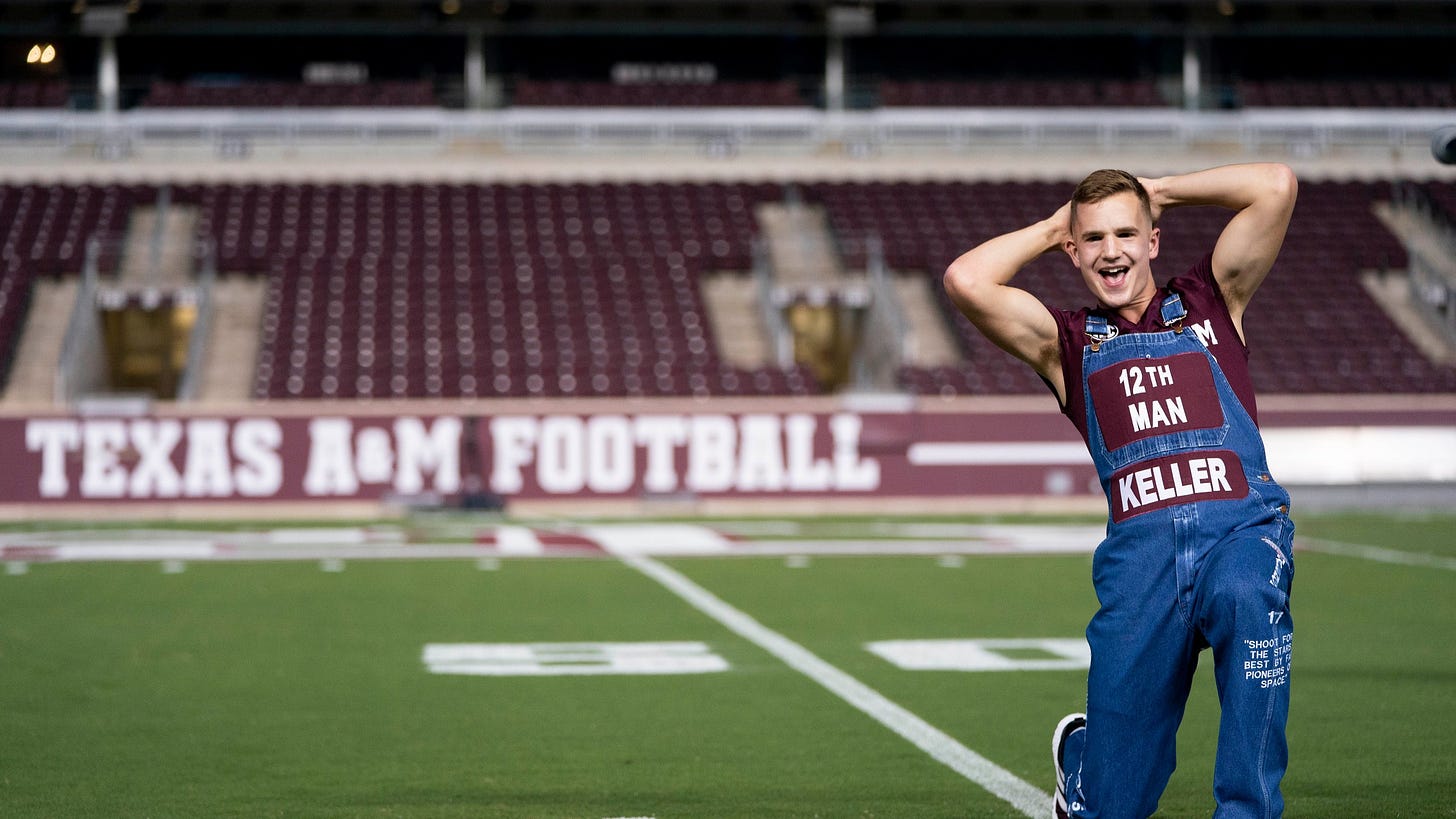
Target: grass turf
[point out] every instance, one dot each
(276, 689)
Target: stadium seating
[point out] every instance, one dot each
(43, 232)
(1001, 93)
(33, 94)
(1345, 94)
(260, 94)
(450, 290)
(1313, 327)
(427, 290)
(529, 93)
(1439, 199)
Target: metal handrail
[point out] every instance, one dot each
(1296, 131)
(81, 326)
(886, 341)
(770, 305)
(197, 343)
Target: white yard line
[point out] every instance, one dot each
(1377, 553)
(941, 746)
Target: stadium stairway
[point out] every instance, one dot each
(33, 378)
(1391, 289)
(230, 363)
(158, 251)
(731, 300)
(800, 246)
(930, 341)
(806, 255)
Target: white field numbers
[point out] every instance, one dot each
(570, 659)
(651, 658)
(1042, 654)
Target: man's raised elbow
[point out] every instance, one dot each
(960, 282)
(1282, 181)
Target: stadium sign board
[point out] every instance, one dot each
(527, 456)
(742, 450)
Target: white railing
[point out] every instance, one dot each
(81, 369)
(721, 131)
(886, 335)
(770, 305)
(205, 278)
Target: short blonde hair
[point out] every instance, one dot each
(1108, 182)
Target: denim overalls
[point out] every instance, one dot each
(1198, 553)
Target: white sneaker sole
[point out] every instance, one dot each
(1059, 800)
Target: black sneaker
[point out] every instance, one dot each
(1070, 724)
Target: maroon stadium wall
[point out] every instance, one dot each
(332, 458)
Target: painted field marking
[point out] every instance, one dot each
(1377, 553)
(1055, 654)
(570, 659)
(16, 567)
(1000, 782)
(173, 566)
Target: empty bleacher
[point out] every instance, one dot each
(33, 94)
(531, 93)
(281, 94)
(1020, 93)
(422, 290)
(43, 233)
(1313, 329)
(430, 290)
(1330, 93)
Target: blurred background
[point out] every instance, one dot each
(675, 255)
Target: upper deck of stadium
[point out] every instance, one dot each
(460, 200)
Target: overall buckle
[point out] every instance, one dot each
(1099, 330)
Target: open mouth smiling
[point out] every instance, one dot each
(1113, 276)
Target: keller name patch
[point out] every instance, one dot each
(1169, 481)
(1143, 397)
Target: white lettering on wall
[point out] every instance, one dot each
(158, 457)
(560, 465)
(52, 439)
(102, 475)
(200, 458)
(712, 445)
(660, 435)
(154, 475)
(610, 456)
(757, 452)
(761, 467)
(806, 473)
(209, 469)
(850, 470)
(513, 445)
(435, 450)
(330, 458)
(339, 460)
(260, 470)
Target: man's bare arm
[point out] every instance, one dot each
(1263, 194)
(978, 285)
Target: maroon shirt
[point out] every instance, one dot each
(1208, 316)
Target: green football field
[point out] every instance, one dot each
(471, 687)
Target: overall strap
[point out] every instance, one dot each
(1173, 312)
(1100, 330)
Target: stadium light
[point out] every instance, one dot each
(41, 54)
